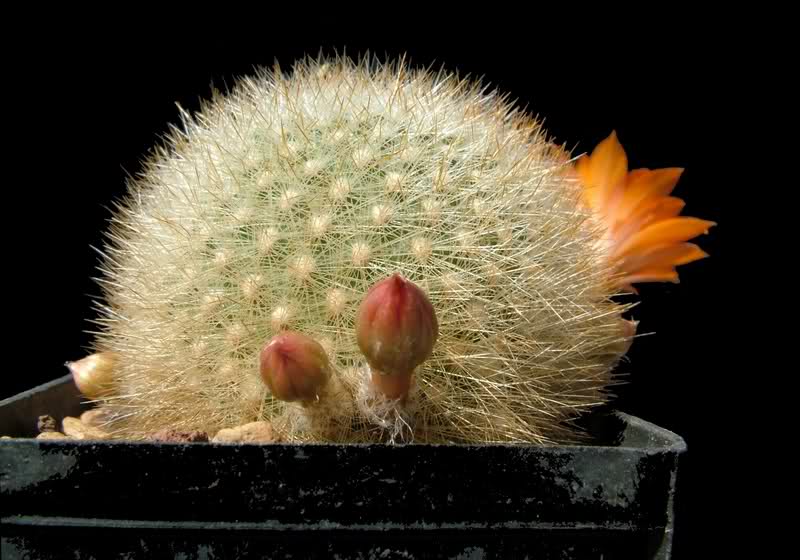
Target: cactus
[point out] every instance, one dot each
(282, 202)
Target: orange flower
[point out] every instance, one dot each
(646, 237)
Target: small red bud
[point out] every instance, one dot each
(294, 367)
(396, 330)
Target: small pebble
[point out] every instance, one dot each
(46, 423)
(254, 432)
(172, 435)
(74, 428)
(52, 435)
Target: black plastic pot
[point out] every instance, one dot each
(82, 499)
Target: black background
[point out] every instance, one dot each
(94, 105)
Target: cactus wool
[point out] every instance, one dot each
(281, 204)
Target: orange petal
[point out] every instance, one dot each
(583, 167)
(672, 230)
(660, 207)
(651, 211)
(663, 257)
(661, 182)
(606, 170)
(651, 275)
(643, 185)
(609, 160)
(668, 207)
(695, 255)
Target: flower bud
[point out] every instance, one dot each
(294, 367)
(628, 331)
(396, 329)
(93, 374)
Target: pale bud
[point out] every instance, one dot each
(93, 374)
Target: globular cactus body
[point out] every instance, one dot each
(281, 203)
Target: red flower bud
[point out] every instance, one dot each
(294, 367)
(396, 329)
